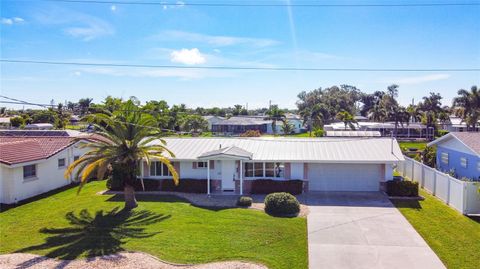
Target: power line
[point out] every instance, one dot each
(240, 4)
(244, 68)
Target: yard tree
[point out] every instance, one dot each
(124, 140)
(467, 106)
(195, 123)
(287, 127)
(347, 119)
(275, 114)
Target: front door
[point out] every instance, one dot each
(228, 175)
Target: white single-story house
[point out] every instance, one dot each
(323, 164)
(32, 165)
(240, 124)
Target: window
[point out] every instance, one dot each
(202, 165)
(76, 157)
(30, 171)
(61, 162)
(444, 157)
(159, 169)
(260, 169)
(248, 170)
(463, 162)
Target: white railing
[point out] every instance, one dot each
(461, 195)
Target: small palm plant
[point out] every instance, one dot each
(122, 141)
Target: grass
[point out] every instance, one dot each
(454, 237)
(68, 226)
(419, 145)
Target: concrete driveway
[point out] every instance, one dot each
(363, 230)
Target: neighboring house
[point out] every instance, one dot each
(411, 130)
(352, 134)
(39, 126)
(212, 120)
(323, 164)
(240, 124)
(5, 122)
(32, 165)
(456, 124)
(459, 152)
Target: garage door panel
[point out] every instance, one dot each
(344, 177)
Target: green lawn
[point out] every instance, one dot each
(69, 226)
(419, 145)
(454, 238)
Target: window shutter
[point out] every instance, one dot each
(212, 164)
(194, 165)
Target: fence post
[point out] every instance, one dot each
(448, 190)
(434, 183)
(404, 168)
(413, 170)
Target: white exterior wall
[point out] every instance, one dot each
(296, 171)
(49, 177)
(187, 171)
(388, 172)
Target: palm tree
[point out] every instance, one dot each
(377, 113)
(469, 106)
(287, 128)
(414, 113)
(347, 119)
(275, 114)
(124, 140)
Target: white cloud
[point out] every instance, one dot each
(11, 21)
(417, 79)
(186, 56)
(215, 40)
(178, 4)
(113, 8)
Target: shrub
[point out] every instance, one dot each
(281, 204)
(244, 201)
(266, 186)
(184, 185)
(402, 188)
(318, 132)
(251, 133)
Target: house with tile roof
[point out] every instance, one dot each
(31, 165)
(459, 152)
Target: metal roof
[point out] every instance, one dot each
(228, 152)
(333, 150)
(242, 121)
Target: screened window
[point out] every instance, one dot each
(29, 171)
(76, 157)
(248, 169)
(61, 162)
(202, 165)
(444, 157)
(258, 169)
(159, 169)
(463, 162)
(268, 170)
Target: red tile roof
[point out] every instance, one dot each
(15, 150)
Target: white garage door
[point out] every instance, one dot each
(344, 177)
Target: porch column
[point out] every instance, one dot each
(240, 170)
(208, 177)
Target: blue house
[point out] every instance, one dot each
(459, 152)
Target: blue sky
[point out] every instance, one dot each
(327, 37)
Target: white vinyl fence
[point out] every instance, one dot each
(461, 195)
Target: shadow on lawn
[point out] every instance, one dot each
(407, 204)
(89, 235)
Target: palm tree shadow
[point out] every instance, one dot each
(94, 235)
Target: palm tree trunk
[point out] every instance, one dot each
(130, 201)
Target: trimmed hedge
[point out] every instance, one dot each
(244, 201)
(185, 185)
(281, 204)
(402, 188)
(266, 186)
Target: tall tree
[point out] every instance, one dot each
(467, 106)
(84, 104)
(287, 128)
(431, 107)
(124, 140)
(347, 119)
(275, 114)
